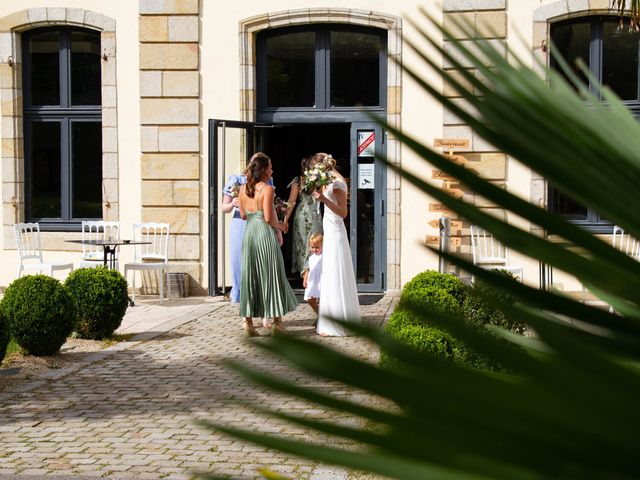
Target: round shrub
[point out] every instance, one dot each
(4, 335)
(431, 280)
(428, 291)
(431, 291)
(40, 313)
(100, 297)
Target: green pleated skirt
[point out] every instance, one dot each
(264, 288)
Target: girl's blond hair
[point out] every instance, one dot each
(315, 238)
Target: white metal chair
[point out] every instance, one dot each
(93, 255)
(625, 243)
(30, 250)
(153, 256)
(490, 253)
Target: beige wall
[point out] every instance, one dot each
(220, 83)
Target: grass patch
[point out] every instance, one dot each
(117, 338)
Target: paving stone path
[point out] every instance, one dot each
(133, 413)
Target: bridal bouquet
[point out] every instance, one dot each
(315, 178)
(282, 207)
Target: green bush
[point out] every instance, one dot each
(405, 327)
(4, 335)
(444, 293)
(40, 313)
(100, 297)
(429, 281)
(479, 312)
(433, 291)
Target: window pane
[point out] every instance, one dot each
(291, 70)
(85, 68)
(620, 60)
(44, 73)
(355, 69)
(44, 142)
(566, 207)
(572, 42)
(86, 155)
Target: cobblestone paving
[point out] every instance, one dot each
(132, 414)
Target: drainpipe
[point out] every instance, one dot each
(445, 235)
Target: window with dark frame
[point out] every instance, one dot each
(62, 127)
(611, 54)
(321, 67)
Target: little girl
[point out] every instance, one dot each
(313, 272)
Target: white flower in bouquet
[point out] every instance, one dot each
(315, 178)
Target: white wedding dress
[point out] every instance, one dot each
(338, 290)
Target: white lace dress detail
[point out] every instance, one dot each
(338, 290)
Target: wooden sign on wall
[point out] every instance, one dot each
(451, 143)
(454, 242)
(438, 207)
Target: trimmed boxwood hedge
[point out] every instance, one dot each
(100, 297)
(40, 313)
(433, 291)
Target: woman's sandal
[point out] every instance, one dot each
(249, 330)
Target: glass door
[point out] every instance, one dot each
(231, 143)
(367, 206)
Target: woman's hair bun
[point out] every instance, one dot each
(325, 159)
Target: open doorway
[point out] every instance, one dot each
(287, 145)
(356, 146)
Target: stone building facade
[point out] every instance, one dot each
(168, 66)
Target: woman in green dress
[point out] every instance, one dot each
(307, 219)
(264, 288)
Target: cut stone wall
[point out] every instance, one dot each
(170, 127)
(250, 27)
(485, 19)
(12, 148)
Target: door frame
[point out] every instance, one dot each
(379, 210)
(216, 175)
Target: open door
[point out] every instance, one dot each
(368, 223)
(231, 143)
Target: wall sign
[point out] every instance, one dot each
(366, 173)
(451, 143)
(366, 143)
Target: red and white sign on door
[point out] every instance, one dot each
(366, 143)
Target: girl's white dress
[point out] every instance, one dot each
(338, 284)
(314, 276)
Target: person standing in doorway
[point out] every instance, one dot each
(306, 221)
(264, 287)
(338, 284)
(231, 204)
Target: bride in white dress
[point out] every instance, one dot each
(339, 293)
